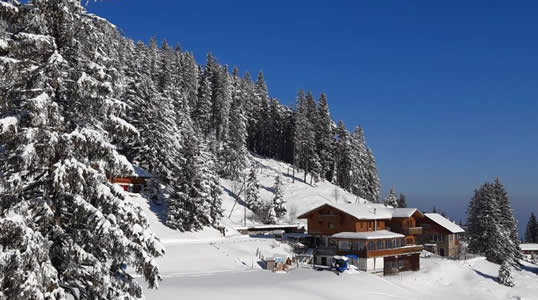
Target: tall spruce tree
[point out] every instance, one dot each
(278, 198)
(233, 156)
(402, 201)
(252, 191)
(531, 233)
(66, 231)
(392, 199)
(487, 229)
(325, 139)
(304, 136)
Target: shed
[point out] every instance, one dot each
(133, 183)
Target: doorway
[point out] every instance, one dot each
(442, 251)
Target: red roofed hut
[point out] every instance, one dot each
(133, 184)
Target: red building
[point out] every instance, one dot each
(133, 184)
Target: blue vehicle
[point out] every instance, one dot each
(339, 263)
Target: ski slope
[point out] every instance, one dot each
(206, 265)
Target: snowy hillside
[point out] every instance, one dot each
(298, 196)
(204, 265)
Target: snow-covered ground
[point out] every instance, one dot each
(205, 265)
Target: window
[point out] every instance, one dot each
(358, 245)
(371, 245)
(331, 226)
(344, 245)
(381, 244)
(389, 244)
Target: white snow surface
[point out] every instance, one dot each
(7, 122)
(446, 223)
(205, 265)
(3, 44)
(529, 247)
(370, 235)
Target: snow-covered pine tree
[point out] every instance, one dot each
(252, 191)
(374, 188)
(278, 199)
(359, 178)
(392, 199)
(531, 233)
(325, 139)
(402, 201)
(344, 157)
(233, 156)
(201, 114)
(304, 136)
(508, 221)
(314, 163)
(209, 173)
(485, 229)
(189, 205)
(222, 100)
(262, 115)
(70, 231)
(505, 275)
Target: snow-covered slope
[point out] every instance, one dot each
(205, 265)
(300, 196)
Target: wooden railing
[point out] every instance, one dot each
(382, 252)
(395, 251)
(412, 230)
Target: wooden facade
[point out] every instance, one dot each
(408, 227)
(327, 220)
(378, 252)
(447, 243)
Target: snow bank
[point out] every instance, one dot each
(8, 122)
(3, 44)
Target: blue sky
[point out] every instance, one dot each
(446, 91)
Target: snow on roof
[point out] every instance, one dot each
(370, 211)
(403, 212)
(359, 211)
(529, 247)
(444, 222)
(369, 235)
(141, 172)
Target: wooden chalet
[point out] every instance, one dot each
(440, 235)
(529, 250)
(134, 183)
(376, 238)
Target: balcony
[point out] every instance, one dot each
(396, 251)
(381, 252)
(412, 230)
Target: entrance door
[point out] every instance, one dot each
(442, 251)
(323, 260)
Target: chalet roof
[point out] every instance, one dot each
(369, 211)
(359, 211)
(444, 222)
(404, 212)
(529, 247)
(369, 235)
(141, 172)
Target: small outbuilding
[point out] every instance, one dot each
(133, 184)
(530, 250)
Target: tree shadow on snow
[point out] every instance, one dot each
(487, 276)
(235, 196)
(159, 209)
(531, 269)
